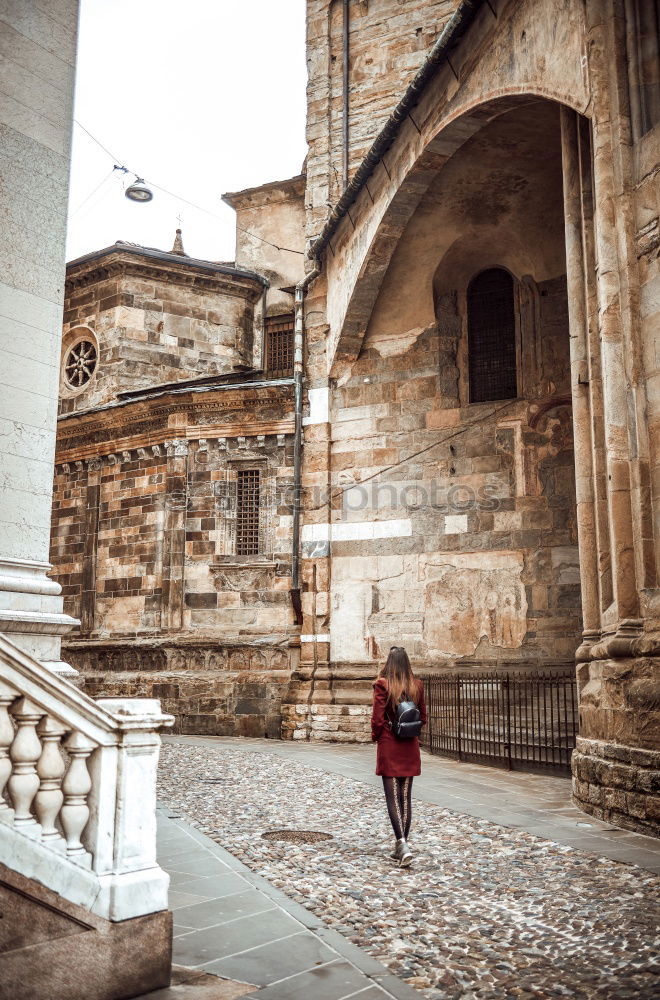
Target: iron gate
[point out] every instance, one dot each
(512, 720)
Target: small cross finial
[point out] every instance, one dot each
(179, 220)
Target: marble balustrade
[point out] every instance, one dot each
(78, 781)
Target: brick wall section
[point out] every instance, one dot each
(128, 563)
(144, 545)
(67, 542)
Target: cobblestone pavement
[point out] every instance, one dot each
(485, 912)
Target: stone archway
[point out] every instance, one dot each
(612, 510)
(419, 159)
(497, 203)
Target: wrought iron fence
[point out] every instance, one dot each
(512, 720)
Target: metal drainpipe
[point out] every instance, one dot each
(299, 332)
(344, 124)
(264, 307)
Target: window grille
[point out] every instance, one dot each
(491, 336)
(279, 346)
(247, 512)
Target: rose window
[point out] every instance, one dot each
(80, 364)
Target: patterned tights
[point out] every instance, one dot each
(398, 795)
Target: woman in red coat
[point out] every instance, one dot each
(397, 760)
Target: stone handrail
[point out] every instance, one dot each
(78, 789)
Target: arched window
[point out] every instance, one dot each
(491, 336)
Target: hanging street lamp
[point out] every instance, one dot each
(138, 191)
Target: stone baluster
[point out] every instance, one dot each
(49, 798)
(76, 787)
(24, 753)
(7, 696)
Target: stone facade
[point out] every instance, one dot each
(387, 42)
(480, 316)
(181, 594)
(512, 530)
(156, 318)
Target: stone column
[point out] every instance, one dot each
(174, 540)
(308, 712)
(616, 763)
(617, 350)
(577, 310)
(90, 541)
(595, 376)
(35, 138)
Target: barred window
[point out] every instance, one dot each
(248, 489)
(279, 346)
(491, 336)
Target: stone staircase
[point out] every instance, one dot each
(83, 902)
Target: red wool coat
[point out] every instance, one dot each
(394, 758)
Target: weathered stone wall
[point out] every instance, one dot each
(453, 530)
(270, 236)
(155, 322)
(211, 688)
(144, 543)
(394, 270)
(618, 783)
(388, 41)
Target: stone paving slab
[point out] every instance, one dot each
(191, 984)
(488, 911)
(248, 938)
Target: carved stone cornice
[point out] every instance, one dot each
(151, 265)
(162, 404)
(120, 448)
(148, 422)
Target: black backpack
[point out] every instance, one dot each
(408, 721)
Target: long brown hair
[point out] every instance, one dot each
(400, 679)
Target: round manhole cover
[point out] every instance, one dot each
(297, 836)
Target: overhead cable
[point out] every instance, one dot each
(92, 193)
(119, 166)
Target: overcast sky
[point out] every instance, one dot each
(198, 97)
